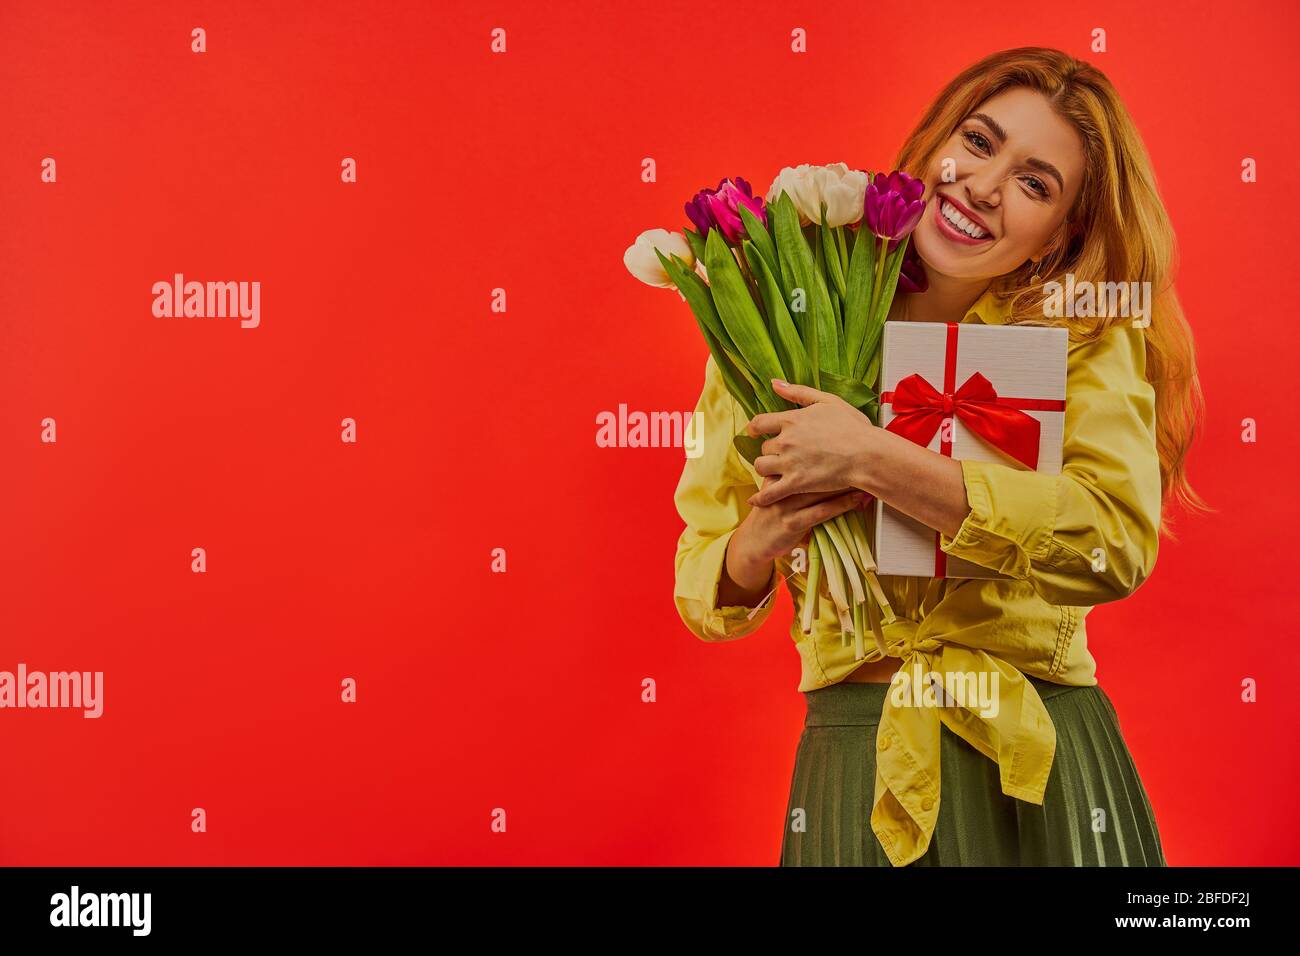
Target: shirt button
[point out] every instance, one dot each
(884, 743)
(927, 803)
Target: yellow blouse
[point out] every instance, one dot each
(1068, 542)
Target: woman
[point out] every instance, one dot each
(1033, 171)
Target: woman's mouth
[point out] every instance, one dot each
(955, 226)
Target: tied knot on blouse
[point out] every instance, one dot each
(1006, 721)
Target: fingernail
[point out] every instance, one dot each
(779, 381)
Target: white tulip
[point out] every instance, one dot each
(842, 189)
(642, 262)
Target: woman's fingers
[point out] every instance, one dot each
(772, 492)
(805, 499)
(815, 514)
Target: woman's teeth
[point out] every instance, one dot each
(960, 222)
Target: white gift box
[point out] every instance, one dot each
(1026, 368)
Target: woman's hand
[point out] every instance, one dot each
(819, 448)
(829, 445)
(773, 531)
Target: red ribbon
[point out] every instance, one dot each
(920, 409)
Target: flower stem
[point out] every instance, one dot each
(878, 289)
(857, 523)
(810, 595)
(856, 535)
(846, 560)
(873, 584)
(834, 571)
(859, 650)
(877, 632)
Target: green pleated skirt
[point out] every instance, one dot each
(1095, 810)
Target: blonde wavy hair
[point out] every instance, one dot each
(1117, 231)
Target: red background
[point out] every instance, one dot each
(477, 430)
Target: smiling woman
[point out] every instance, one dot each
(1002, 188)
(1033, 172)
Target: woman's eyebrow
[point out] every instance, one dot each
(1042, 165)
(992, 124)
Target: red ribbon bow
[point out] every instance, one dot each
(920, 408)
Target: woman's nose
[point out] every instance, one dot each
(983, 187)
(983, 192)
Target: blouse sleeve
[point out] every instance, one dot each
(711, 500)
(1090, 534)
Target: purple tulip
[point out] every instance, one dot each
(893, 205)
(721, 208)
(911, 275)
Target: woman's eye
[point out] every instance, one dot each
(977, 140)
(1036, 185)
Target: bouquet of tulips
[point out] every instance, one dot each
(797, 287)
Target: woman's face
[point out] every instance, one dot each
(1015, 170)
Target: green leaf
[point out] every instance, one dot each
(812, 343)
(696, 242)
(697, 297)
(785, 226)
(754, 260)
(740, 316)
(833, 326)
(697, 294)
(764, 397)
(748, 446)
(876, 323)
(855, 393)
(761, 238)
(857, 299)
(873, 369)
(734, 374)
(822, 335)
(789, 347)
(839, 324)
(736, 383)
(831, 256)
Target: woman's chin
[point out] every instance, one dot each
(938, 262)
(942, 259)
